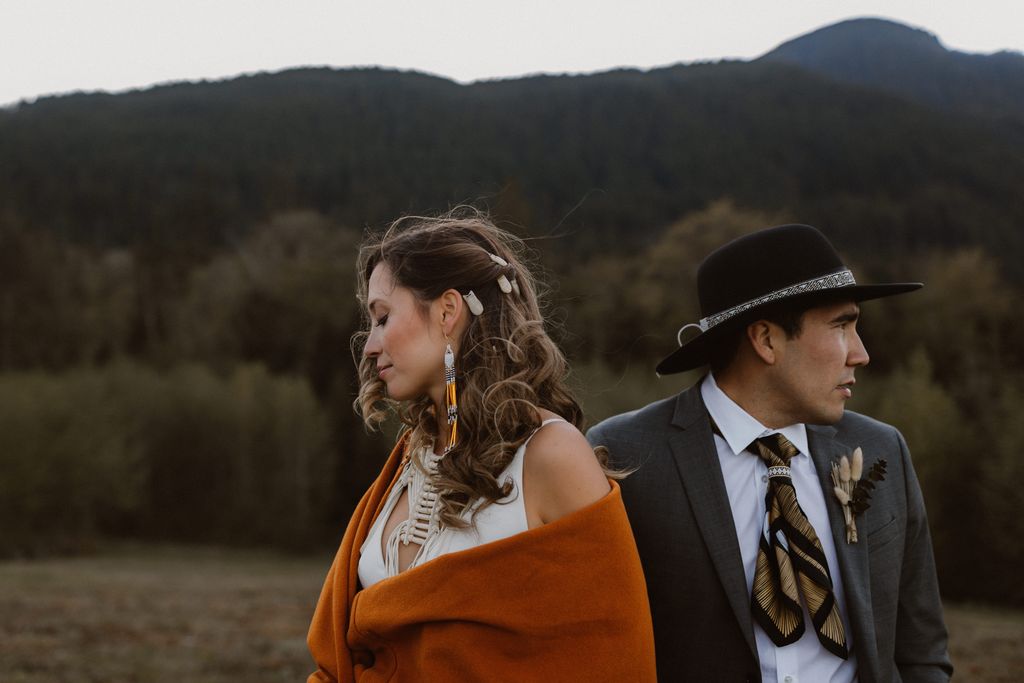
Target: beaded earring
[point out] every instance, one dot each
(451, 399)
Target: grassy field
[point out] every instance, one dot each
(185, 614)
(140, 615)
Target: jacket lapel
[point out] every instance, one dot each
(693, 448)
(852, 557)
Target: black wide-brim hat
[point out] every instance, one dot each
(740, 279)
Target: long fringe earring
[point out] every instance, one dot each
(450, 397)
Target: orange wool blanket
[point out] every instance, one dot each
(563, 602)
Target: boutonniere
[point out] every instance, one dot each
(853, 491)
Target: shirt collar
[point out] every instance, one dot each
(738, 427)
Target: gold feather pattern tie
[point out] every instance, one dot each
(790, 561)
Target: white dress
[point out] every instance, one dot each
(506, 517)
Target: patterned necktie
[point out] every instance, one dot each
(790, 555)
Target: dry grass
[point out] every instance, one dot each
(158, 615)
(986, 644)
(163, 614)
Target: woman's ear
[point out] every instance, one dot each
(452, 310)
(761, 336)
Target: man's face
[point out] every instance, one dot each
(813, 375)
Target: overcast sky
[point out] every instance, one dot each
(54, 46)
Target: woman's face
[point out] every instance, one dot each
(405, 341)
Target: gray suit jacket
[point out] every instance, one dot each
(681, 518)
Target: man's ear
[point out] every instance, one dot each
(452, 308)
(763, 337)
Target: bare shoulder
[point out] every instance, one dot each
(561, 474)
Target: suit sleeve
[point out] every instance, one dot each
(921, 647)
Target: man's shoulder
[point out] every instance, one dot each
(639, 422)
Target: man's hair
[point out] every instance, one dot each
(789, 315)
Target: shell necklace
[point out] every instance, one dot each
(423, 524)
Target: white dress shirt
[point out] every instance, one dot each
(746, 482)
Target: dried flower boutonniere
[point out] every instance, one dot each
(853, 491)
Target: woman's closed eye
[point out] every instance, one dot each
(381, 320)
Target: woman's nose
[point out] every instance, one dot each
(372, 347)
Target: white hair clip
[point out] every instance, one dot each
(475, 307)
(503, 282)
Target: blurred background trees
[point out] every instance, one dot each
(177, 291)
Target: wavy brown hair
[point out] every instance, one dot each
(506, 367)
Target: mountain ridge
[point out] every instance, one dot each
(613, 156)
(912, 63)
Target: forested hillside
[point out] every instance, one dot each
(615, 155)
(912, 63)
(177, 285)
